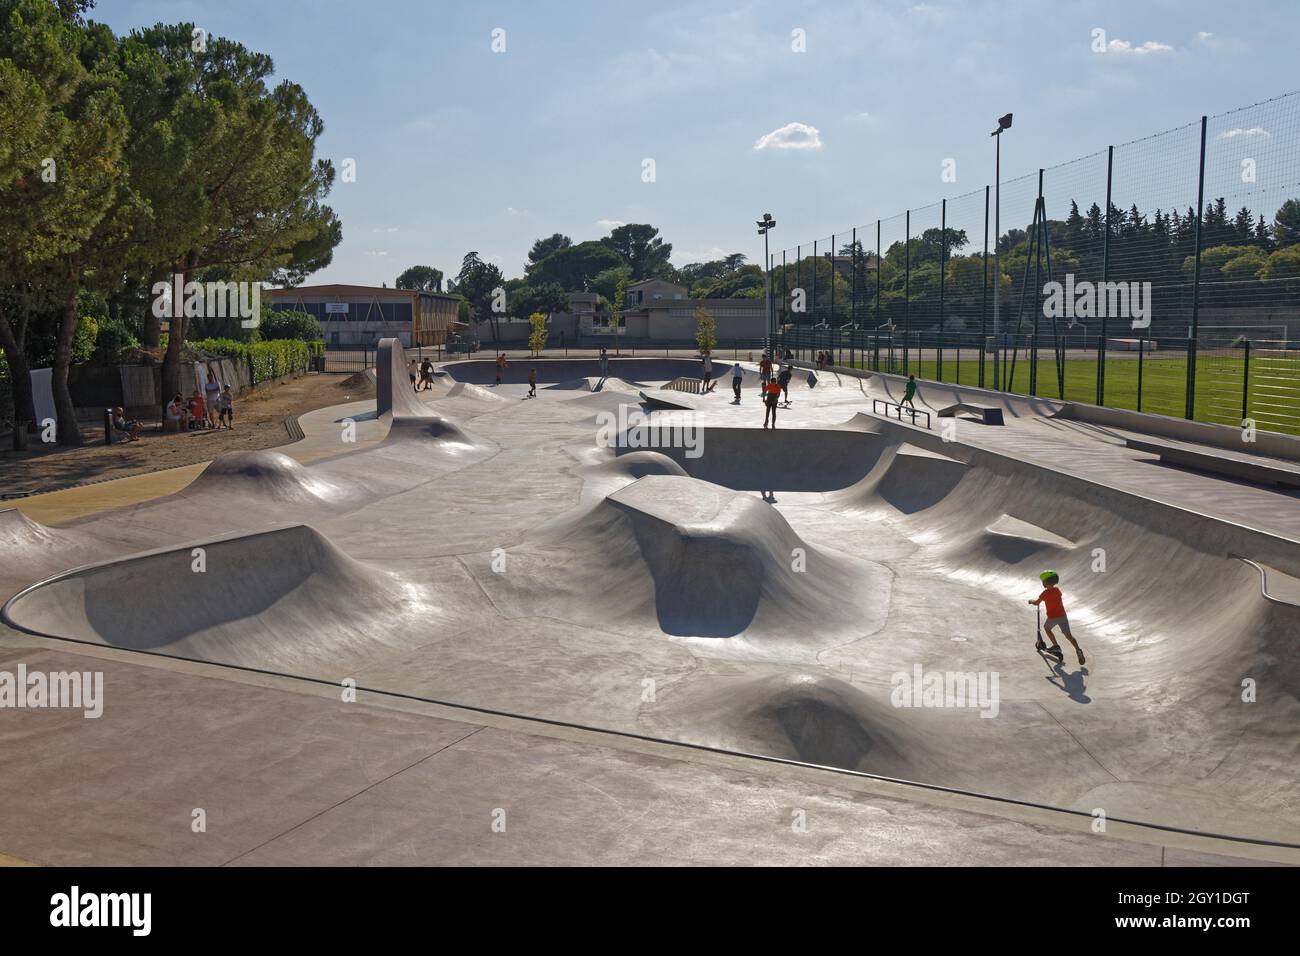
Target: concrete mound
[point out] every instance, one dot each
(815, 718)
(251, 592)
(478, 392)
(803, 460)
(264, 475)
(638, 464)
(907, 478)
(685, 558)
(19, 533)
(723, 562)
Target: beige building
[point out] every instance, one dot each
(357, 315)
(659, 310)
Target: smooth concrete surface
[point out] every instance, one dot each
(290, 774)
(758, 591)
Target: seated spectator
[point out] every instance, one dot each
(176, 411)
(128, 427)
(197, 411)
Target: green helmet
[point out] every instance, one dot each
(1047, 576)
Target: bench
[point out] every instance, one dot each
(899, 409)
(1221, 462)
(988, 414)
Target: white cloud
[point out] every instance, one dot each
(791, 136)
(707, 255)
(375, 252)
(1218, 44)
(385, 229)
(512, 211)
(1151, 46)
(610, 223)
(1254, 131)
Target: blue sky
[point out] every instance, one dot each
(458, 147)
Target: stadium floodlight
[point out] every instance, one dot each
(1004, 124)
(766, 225)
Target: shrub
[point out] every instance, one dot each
(277, 324)
(265, 360)
(115, 337)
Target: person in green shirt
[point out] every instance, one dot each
(910, 393)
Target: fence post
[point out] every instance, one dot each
(907, 290)
(1105, 276)
(984, 290)
(1194, 332)
(1142, 348)
(831, 320)
(1245, 385)
(943, 267)
(814, 288)
(853, 301)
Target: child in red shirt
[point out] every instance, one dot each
(1051, 597)
(198, 410)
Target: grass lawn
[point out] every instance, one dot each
(1274, 387)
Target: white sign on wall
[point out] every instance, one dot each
(336, 308)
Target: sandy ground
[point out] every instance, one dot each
(259, 423)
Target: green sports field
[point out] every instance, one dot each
(1272, 393)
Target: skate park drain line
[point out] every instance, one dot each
(660, 741)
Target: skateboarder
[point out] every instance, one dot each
(502, 364)
(706, 374)
(771, 395)
(532, 382)
(787, 372)
(764, 372)
(1051, 597)
(910, 393)
(737, 376)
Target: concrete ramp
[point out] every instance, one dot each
(907, 478)
(249, 606)
(790, 459)
(265, 476)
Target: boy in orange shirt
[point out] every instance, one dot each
(1051, 597)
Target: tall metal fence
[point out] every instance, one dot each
(1161, 274)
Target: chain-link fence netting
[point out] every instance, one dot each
(1161, 275)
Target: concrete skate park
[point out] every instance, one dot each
(712, 648)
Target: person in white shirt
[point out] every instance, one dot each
(737, 376)
(706, 383)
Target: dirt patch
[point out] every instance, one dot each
(259, 423)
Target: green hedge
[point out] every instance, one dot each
(265, 360)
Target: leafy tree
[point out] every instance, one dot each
(1286, 223)
(290, 324)
(537, 335)
(706, 330)
(639, 245)
(478, 282)
(574, 267)
(64, 225)
(606, 283)
(544, 247)
(523, 299)
(226, 164)
(616, 303)
(421, 278)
